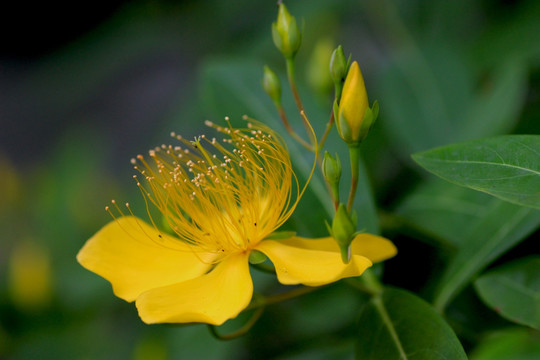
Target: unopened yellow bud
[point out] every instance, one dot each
(285, 33)
(354, 116)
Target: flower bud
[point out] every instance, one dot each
(331, 168)
(353, 115)
(338, 69)
(272, 85)
(332, 173)
(285, 33)
(343, 231)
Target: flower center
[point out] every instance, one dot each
(221, 196)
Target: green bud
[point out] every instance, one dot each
(285, 33)
(332, 173)
(343, 231)
(331, 168)
(339, 68)
(272, 85)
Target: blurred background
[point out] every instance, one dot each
(84, 88)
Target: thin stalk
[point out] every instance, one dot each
(367, 283)
(326, 131)
(294, 90)
(292, 83)
(282, 297)
(354, 154)
(291, 131)
(240, 332)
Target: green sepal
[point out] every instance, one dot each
(285, 33)
(343, 231)
(295, 38)
(338, 69)
(343, 128)
(335, 109)
(370, 116)
(257, 257)
(276, 37)
(329, 228)
(331, 168)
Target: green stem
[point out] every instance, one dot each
(292, 83)
(371, 282)
(262, 302)
(367, 283)
(326, 131)
(335, 196)
(296, 94)
(354, 154)
(333, 191)
(240, 332)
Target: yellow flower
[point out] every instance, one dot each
(222, 199)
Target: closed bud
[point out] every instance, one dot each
(331, 168)
(285, 33)
(272, 85)
(353, 115)
(332, 173)
(338, 69)
(343, 230)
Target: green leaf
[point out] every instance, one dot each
(509, 344)
(502, 226)
(400, 325)
(513, 291)
(445, 211)
(424, 107)
(495, 110)
(507, 167)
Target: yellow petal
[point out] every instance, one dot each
(134, 257)
(375, 248)
(212, 298)
(316, 262)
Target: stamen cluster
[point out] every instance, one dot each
(221, 196)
